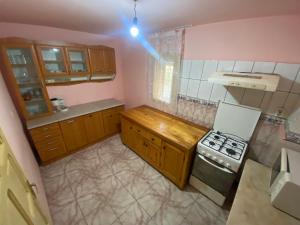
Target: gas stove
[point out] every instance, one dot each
(225, 149)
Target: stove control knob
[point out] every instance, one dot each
(208, 155)
(214, 158)
(220, 161)
(203, 152)
(227, 165)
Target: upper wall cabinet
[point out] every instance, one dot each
(21, 72)
(103, 64)
(78, 61)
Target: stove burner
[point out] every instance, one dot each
(212, 143)
(218, 132)
(234, 144)
(230, 151)
(217, 137)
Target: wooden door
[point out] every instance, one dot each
(78, 61)
(94, 127)
(74, 133)
(153, 154)
(18, 201)
(97, 60)
(22, 74)
(128, 134)
(172, 162)
(109, 61)
(53, 60)
(141, 146)
(111, 120)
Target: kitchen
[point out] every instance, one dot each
(150, 173)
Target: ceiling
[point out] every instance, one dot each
(111, 16)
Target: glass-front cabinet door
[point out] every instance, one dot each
(78, 61)
(53, 60)
(26, 81)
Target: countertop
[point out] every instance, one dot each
(167, 126)
(252, 204)
(74, 111)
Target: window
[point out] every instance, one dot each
(163, 83)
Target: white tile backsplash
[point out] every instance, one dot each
(252, 97)
(196, 72)
(186, 68)
(183, 86)
(226, 66)
(196, 69)
(193, 88)
(218, 93)
(292, 104)
(210, 67)
(234, 95)
(288, 73)
(243, 66)
(205, 90)
(263, 67)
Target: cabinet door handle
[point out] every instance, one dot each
(52, 149)
(152, 139)
(49, 135)
(46, 128)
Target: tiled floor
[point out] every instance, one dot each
(108, 184)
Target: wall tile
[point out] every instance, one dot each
(226, 66)
(186, 68)
(243, 66)
(196, 69)
(183, 86)
(264, 67)
(205, 90)
(288, 74)
(218, 93)
(277, 102)
(252, 97)
(234, 95)
(296, 84)
(210, 66)
(193, 88)
(266, 101)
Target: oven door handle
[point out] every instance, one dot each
(214, 165)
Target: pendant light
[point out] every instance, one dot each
(134, 30)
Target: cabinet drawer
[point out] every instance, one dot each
(52, 151)
(45, 131)
(47, 144)
(141, 131)
(154, 139)
(113, 110)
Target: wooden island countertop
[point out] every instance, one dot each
(182, 133)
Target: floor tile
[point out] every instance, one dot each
(134, 215)
(167, 216)
(96, 210)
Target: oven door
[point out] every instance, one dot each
(213, 174)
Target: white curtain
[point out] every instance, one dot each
(164, 68)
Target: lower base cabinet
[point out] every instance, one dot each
(168, 159)
(74, 133)
(58, 139)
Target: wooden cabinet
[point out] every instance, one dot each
(94, 126)
(78, 60)
(21, 72)
(112, 121)
(172, 161)
(48, 141)
(52, 60)
(74, 133)
(164, 141)
(102, 60)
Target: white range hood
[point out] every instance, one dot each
(259, 81)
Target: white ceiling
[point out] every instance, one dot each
(109, 16)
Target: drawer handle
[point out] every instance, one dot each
(152, 139)
(46, 128)
(139, 131)
(70, 121)
(49, 135)
(52, 149)
(49, 143)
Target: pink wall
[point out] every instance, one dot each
(74, 94)
(262, 39)
(13, 130)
